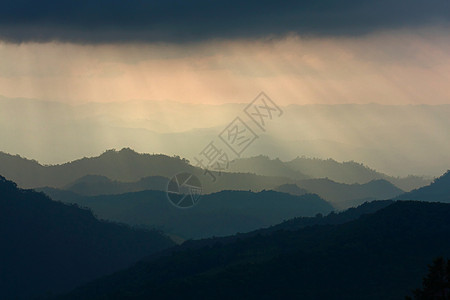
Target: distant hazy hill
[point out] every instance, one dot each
(438, 190)
(378, 256)
(343, 195)
(339, 194)
(125, 165)
(218, 214)
(290, 188)
(349, 195)
(263, 165)
(91, 185)
(49, 247)
(303, 168)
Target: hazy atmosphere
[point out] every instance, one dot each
(222, 144)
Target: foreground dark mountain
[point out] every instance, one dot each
(378, 256)
(438, 190)
(50, 247)
(218, 214)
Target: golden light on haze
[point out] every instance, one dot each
(389, 68)
(174, 99)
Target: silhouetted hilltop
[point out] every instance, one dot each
(123, 165)
(332, 218)
(378, 256)
(438, 190)
(23, 171)
(218, 214)
(49, 247)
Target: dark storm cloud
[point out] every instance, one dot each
(105, 21)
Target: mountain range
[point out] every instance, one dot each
(128, 165)
(378, 250)
(51, 247)
(340, 195)
(123, 171)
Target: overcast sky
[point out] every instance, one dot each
(390, 52)
(181, 21)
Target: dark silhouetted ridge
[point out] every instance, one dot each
(49, 247)
(378, 256)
